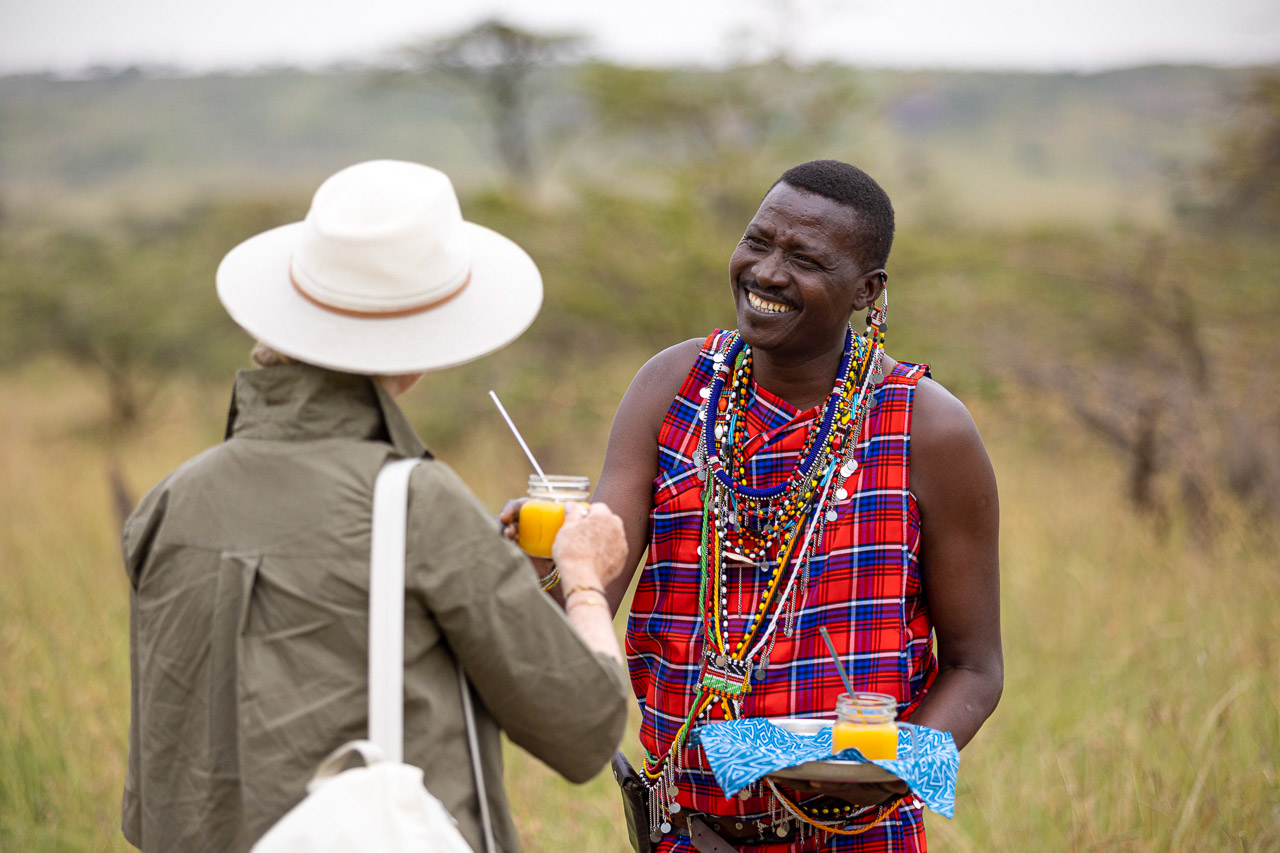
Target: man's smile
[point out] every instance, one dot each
(766, 306)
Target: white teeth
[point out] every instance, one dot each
(767, 307)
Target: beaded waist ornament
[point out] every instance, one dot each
(775, 529)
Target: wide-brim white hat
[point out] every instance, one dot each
(383, 277)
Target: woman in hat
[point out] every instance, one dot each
(249, 564)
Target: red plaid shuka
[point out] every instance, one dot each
(864, 585)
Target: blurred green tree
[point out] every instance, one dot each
(133, 303)
(1244, 173)
(496, 61)
(725, 132)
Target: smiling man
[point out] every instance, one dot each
(789, 476)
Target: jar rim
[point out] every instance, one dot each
(560, 487)
(867, 707)
(568, 481)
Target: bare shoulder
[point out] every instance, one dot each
(939, 418)
(946, 449)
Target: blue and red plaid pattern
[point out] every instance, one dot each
(864, 586)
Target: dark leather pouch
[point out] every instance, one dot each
(635, 803)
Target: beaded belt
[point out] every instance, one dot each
(750, 833)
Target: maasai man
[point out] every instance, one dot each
(813, 481)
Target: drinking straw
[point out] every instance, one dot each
(520, 438)
(844, 676)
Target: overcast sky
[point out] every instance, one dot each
(65, 35)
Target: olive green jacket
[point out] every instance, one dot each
(249, 630)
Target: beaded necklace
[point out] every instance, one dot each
(742, 524)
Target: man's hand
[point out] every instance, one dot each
(509, 518)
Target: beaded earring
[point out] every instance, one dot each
(876, 325)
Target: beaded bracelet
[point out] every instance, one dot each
(550, 579)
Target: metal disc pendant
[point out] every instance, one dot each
(847, 469)
(841, 494)
(655, 836)
(674, 808)
(664, 828)
(718, 358)
(699, 457)
(702, 475)
(831, 515)
(705, 393)
(672, 791)
(702, 414)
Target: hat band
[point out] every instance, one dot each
(374, 315)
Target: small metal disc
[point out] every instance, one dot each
(720, 660)
(699, 457)
(781, 830)
(699, 550)
(674, 808)
(702, 414)
(718, 358)
(841, 494)
(702, 475)
(664, 828)
(831, 515)
(655, 836)
(719, 430)
(744, 794)
(705, 393)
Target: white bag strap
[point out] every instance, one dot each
(386, 631)
(386, 609)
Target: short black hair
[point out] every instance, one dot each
(854, 188)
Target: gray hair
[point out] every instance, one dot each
(265, 356)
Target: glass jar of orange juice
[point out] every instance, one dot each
(868, 723)
(543, 514)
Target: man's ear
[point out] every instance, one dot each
(868, 289)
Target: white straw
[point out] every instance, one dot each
(520, 438)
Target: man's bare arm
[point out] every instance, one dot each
(631, 460)
(955, 487)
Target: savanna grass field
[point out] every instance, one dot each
(1121, 369)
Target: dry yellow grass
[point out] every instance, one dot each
(1141, 708)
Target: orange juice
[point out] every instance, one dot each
(866, 722)
(873, 741)
(542, 516)
(540, 521)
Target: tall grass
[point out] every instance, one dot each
(1142, 701)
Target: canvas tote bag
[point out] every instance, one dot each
(384, 804)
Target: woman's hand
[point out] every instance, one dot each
(590, 548)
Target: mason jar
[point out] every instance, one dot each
(542, 515)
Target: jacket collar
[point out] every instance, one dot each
(300, 402)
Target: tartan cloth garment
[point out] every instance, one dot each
(864, 586)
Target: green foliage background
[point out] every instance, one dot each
(1061, 263)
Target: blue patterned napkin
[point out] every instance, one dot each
(742, 751)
